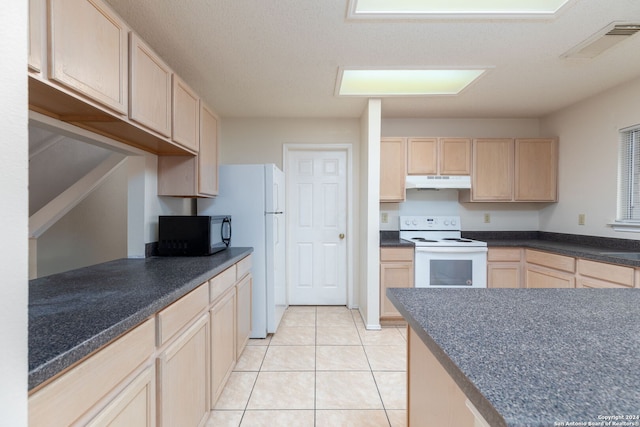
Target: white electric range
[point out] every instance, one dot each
(443, 259)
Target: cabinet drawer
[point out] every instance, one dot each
(70, 395)
(558, 262)
(540, 277)
(504, 254)
(396, 254)
(178, 314)
(607, 272)
(220, 283)
(244, 267)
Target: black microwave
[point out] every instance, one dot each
(193, 235)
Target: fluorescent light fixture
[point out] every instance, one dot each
(405, 82)
(455, 8)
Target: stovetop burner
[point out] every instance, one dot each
(435, 231)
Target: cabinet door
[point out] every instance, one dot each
(455, 156)
(150, 88)
(536, 170)
(186, 115)
(243, 313)
(36, 30)
(503, 275)
(88, 47)
(223, 342)
(135, 406)
(183, 372)
(393, 169)
(396, 271)
(492, 178)
(539, 277)
(422, 156)
(393, 275)
(208, 154)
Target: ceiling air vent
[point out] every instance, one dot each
(613, 34)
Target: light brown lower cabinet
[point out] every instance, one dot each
(223, 342)
(593, 274)
(396, 271)
(434, 399)
(183, 368)
(243, 312)
(504, 267)
(547, 270)
(135, 406)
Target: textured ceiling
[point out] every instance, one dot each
(280, 58)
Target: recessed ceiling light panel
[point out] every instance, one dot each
(405, 82)
(454, 8)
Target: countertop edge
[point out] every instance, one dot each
(58, 364)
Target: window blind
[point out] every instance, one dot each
(629, 175)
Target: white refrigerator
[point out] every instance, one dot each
(254, 197)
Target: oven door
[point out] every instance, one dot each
(450, 267)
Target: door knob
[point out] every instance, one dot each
(341, 236)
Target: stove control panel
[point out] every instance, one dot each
(430, 223)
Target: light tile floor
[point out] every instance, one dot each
(321, 368)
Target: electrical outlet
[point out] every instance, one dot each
(384, 218)
(487, 218)
(581, 219)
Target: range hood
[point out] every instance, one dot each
(436, 182)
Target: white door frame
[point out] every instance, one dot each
(347, 148)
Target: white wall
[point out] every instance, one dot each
(261, 140)
(14, 224)
(369, 207)
(589, 138)
(94, 231)
(503, 216)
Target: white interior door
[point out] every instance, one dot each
(317, 183)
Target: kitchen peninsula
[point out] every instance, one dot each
(522, 357)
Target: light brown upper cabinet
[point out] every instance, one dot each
(422, 156)
(208, 155)
(439, 156)
(393, 169)
(186, 117)
(508, 170)
(492, 178)
(193, 176)
(88, 51)
(36, 31)
(150, 88)
(454, 156)
(536, 170)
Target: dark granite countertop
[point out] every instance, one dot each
(74, 313)
(534, 357)
(595, 248)
(579, 246)
(391, 239)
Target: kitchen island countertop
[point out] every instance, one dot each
(74, 313)
(535, 357)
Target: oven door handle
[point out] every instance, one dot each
(451, 250)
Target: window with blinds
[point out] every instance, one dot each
(629, 175)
